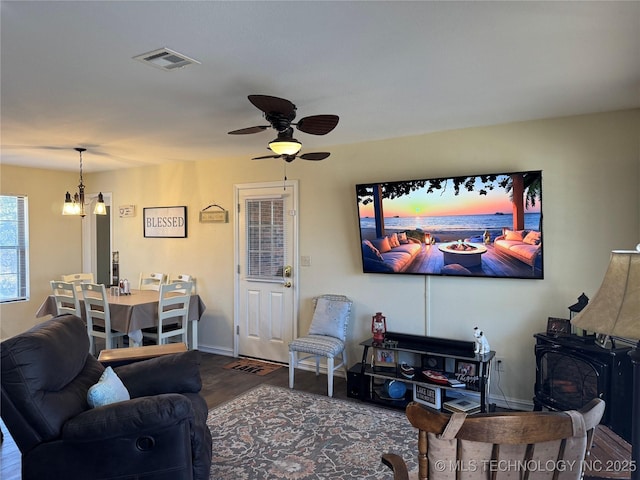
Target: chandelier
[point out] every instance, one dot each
(75, 205)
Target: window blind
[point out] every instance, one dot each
(266, 240)
(14, 248)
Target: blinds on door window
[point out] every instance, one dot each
(266, 245)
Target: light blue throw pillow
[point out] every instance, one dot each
(109, 389)
(330, 318)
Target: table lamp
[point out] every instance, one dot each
(615, 311)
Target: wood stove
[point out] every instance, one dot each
(571, 370)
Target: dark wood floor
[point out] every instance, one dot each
(218, 386)
(494, 264)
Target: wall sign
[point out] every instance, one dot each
(165, 222)
(127, 211)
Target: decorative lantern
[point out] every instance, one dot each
(378, 328)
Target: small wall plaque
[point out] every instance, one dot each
(214, 216)
(127, 211)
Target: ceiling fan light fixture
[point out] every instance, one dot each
(290, 146)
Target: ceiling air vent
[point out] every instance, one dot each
(165, 59)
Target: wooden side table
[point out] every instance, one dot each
(117, 356)
(610, 456)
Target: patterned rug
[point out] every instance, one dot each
(255, 367)
(277, 433)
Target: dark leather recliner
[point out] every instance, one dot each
(161, 433)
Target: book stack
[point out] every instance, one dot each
(462, 405)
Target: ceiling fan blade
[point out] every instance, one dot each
(266, 156)
(244, 131)
(269, 104)
(314, 156)
(318, 124)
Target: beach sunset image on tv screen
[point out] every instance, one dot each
(473, 226)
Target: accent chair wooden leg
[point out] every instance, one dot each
(330, 375)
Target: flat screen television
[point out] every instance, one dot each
(472, 226)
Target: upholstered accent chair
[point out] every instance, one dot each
(326, 337)
(540, 445)
(55, 402)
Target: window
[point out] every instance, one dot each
(265, 238)
(14, 248)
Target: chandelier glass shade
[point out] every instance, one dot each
(75, 205)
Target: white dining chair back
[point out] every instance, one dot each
(173, 313)
(151, 281)
(325, 339)
(98, 313)
(66, 298)
(78, 278)
(182, 277)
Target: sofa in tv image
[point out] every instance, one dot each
(392, 253)
(523, 245)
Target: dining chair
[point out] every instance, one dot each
(326, 337)
(98, 314)
(173, 313)
(500, 444)
(78, 278)
(182, 277)
(66, 298)
(151, 281)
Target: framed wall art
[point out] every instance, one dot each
(165, 222)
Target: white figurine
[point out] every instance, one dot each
(482, 344)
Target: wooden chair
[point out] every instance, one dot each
(326, 337)
(540, 445)
(151, 281)
(173, 313)
(66, 298)
(96, 305)
(78, 278)
(182, 277)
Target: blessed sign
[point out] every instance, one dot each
(165, 222)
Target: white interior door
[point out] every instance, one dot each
(266, 253)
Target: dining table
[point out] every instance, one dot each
(135, 311)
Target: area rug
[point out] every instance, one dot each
(277, 433)
(255, 367)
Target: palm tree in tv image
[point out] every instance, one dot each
(524, 189)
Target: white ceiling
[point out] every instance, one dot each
(388, 69)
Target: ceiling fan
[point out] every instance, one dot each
(280, 114)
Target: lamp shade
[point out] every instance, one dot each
(100, 208)
(285, 147)
(615, 308)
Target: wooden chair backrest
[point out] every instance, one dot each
(78, 278)
(151, 281)
(540, 445)
(66, 298)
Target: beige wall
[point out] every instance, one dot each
(591, 173)
(54, 240)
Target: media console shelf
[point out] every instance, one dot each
(454, 358)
